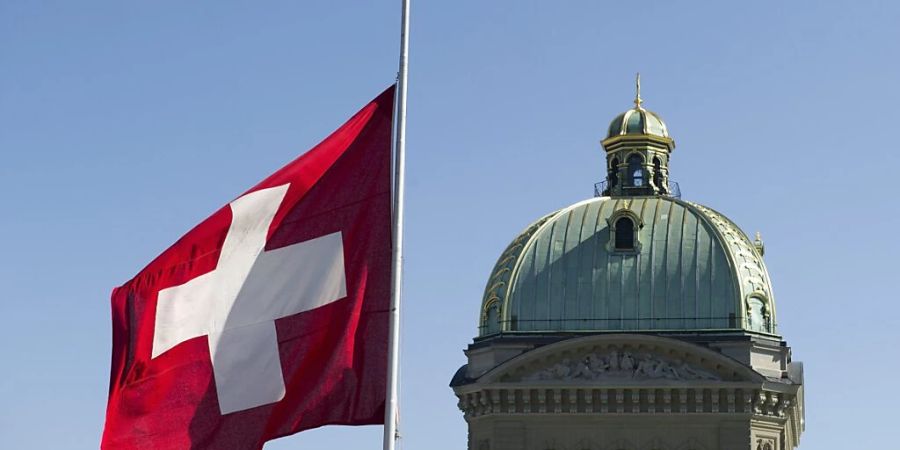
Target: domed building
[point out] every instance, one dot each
(633, 320)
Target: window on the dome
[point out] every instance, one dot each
(492, 319)
(757, 319)
(624, 234)
(635, 171)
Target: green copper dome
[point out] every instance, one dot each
(651, 263)
(637, 121)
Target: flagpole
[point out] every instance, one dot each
(391, 417)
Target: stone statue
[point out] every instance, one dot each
(583, 370)
(663, 370)
(614, 361)
(562, 370)
(597, 363)
(645, 366)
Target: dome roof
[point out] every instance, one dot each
(637, 121)
(690, 269)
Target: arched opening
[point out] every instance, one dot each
(492, 319)
(657, 175)
(624, 234)
(635, 171)
(613, 176)
(757, 315)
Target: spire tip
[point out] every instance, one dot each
(637, 96)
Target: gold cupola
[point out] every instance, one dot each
(637, 152)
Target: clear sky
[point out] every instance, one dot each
(123, 124)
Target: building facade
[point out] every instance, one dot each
(633, 320)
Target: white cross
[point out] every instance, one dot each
(236, 304)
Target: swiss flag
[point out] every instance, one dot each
(271, 316)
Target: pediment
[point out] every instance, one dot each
(620, 359)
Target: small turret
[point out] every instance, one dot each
(637, 152)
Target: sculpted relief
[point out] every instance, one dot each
(620, 365)
(622, 444)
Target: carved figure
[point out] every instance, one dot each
(614, 361)
(594, 366)
(645, 366)
(597, 363)
(759, 403)
(562, 370)
(662, 370)
(689, 372)
(583, 370)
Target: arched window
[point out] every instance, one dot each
(635, 171)
(624, 234)
(657, 175)
(613, 173)
(757, 315)
(492, 318)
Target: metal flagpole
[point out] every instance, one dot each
(391, 417)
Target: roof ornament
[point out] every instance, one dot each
(637, 97)
(759, 244)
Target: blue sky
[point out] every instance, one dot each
(123, 124)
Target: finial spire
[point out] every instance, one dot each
(637, 95)
(758, 243)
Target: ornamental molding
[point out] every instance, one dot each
(498, 284)
(619, 365)
(753, 278)
(615, 375)
(655, 443)
(760, 404)
(765, 444)
(620, 359)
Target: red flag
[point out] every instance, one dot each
(271, 316)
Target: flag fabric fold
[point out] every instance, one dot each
(269, 317)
